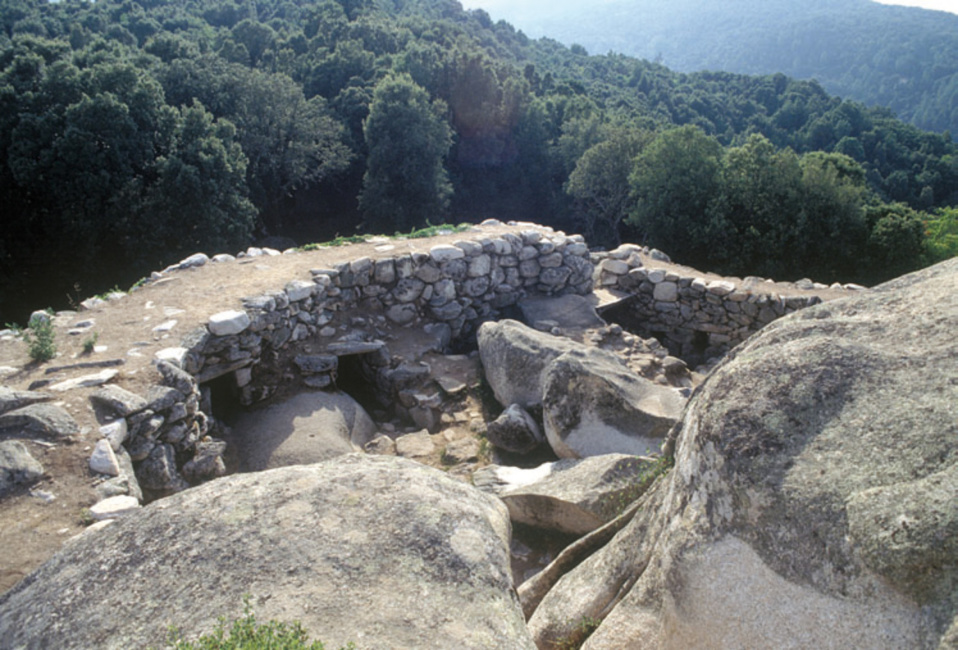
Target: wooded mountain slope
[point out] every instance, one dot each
(134, 133)
(900, 57)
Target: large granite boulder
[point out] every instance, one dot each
(814, 495)
(568, 496)
(594, 405)
(308, 428)
(376, 550)
(515, 359)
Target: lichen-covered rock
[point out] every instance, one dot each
(39, 420)
(375, 550)
(515, 430)
(17, 466)
(118, 400)
(515, 359)
(593, 405)
(11, 399)
(570, 496)
(813, 499)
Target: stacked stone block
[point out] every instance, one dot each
(694, 317)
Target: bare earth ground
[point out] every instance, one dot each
(35, 523)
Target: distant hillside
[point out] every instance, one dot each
(900, 57)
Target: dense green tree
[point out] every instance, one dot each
(198, 201)
(406, 183)
(677, 184)
(832, 230)
(763, 202)
(896, 241)
(290, 142)
(600, 185)
(124, 110)
(941, 230)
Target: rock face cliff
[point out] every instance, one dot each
(379, 551)
(814, 499)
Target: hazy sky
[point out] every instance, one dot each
(942, 5)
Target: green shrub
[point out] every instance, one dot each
(246, 634)
(40, 337)
(89, 344)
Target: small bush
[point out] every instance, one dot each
(89, 344)
(40, 337)
(246, 634)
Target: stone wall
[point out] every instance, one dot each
(451, 289)
(696, 319)
(302, 332)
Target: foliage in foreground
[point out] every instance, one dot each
(40, 337)
(246, 634)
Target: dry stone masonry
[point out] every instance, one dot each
(445, 294)
(450, 291)
(696, 318)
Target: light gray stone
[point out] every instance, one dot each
(593, 405)
(44, 420)
(299, 290)
(381, 445)
(666, 292)
(17, 466)
(417, 446)
(812, 502)
(118, 400)
(720, 288)
(396, 538)
(515, 358)
(446, 253)
(614, 266)
(573, 497)
(103, 460)
(86, 381)
(227, 323)
(11, 399)
(114, 507)
(176, 355)
(199, 259)
(116, 433)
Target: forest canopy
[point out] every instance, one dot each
(135, 133)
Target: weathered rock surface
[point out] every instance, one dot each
(118, 400)
(567, 496)
(593, 405)
(375, 550)
(812, 503)
(39, 420)
(515, 430)
(308, 428)
(11, 399)
(17, 466)
(515, 359)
